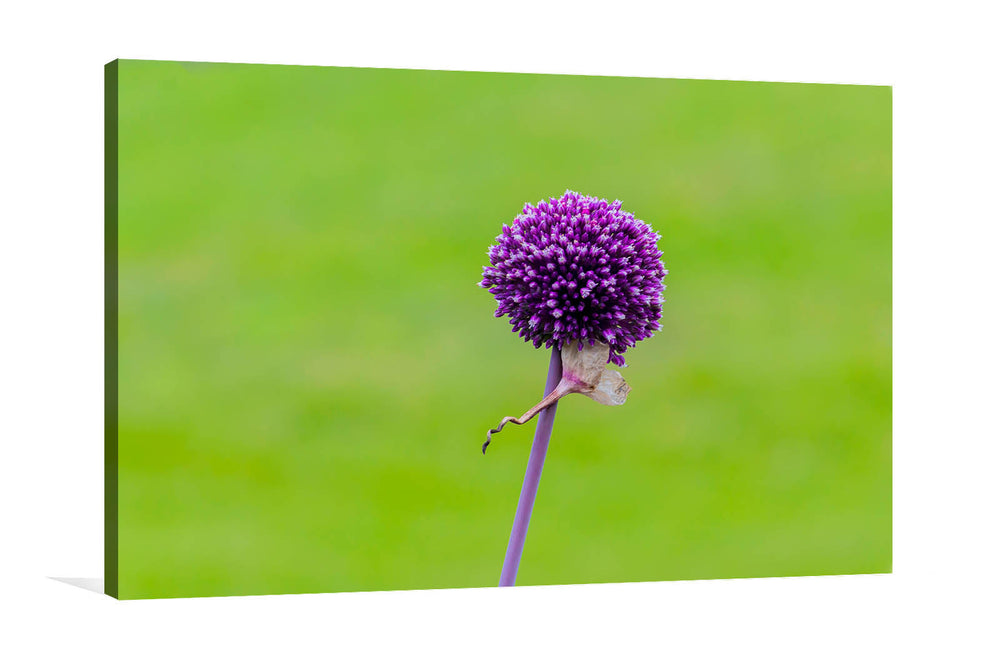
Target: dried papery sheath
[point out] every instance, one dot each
(584, 370)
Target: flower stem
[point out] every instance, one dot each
(543, 431)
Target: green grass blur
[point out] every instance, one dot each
(307, 366)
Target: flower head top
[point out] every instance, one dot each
(578, 268)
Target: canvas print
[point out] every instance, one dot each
(374, 329)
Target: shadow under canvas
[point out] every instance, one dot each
(91, 584)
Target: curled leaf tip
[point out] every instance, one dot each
(550, 399)
(492, 431)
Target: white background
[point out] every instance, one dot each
(939, 605)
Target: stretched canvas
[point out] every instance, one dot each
(313, 274)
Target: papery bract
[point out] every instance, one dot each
(585, 371)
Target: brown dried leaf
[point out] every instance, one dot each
(584, 371)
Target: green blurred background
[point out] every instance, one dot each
(307, 367)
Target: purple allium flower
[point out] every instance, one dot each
(578, 268)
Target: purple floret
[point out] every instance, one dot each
(578, 268)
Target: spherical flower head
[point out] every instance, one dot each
(578, 268)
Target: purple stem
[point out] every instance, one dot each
(543, 431)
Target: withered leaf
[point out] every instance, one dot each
(583, 371)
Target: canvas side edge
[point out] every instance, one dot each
(111, 583)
